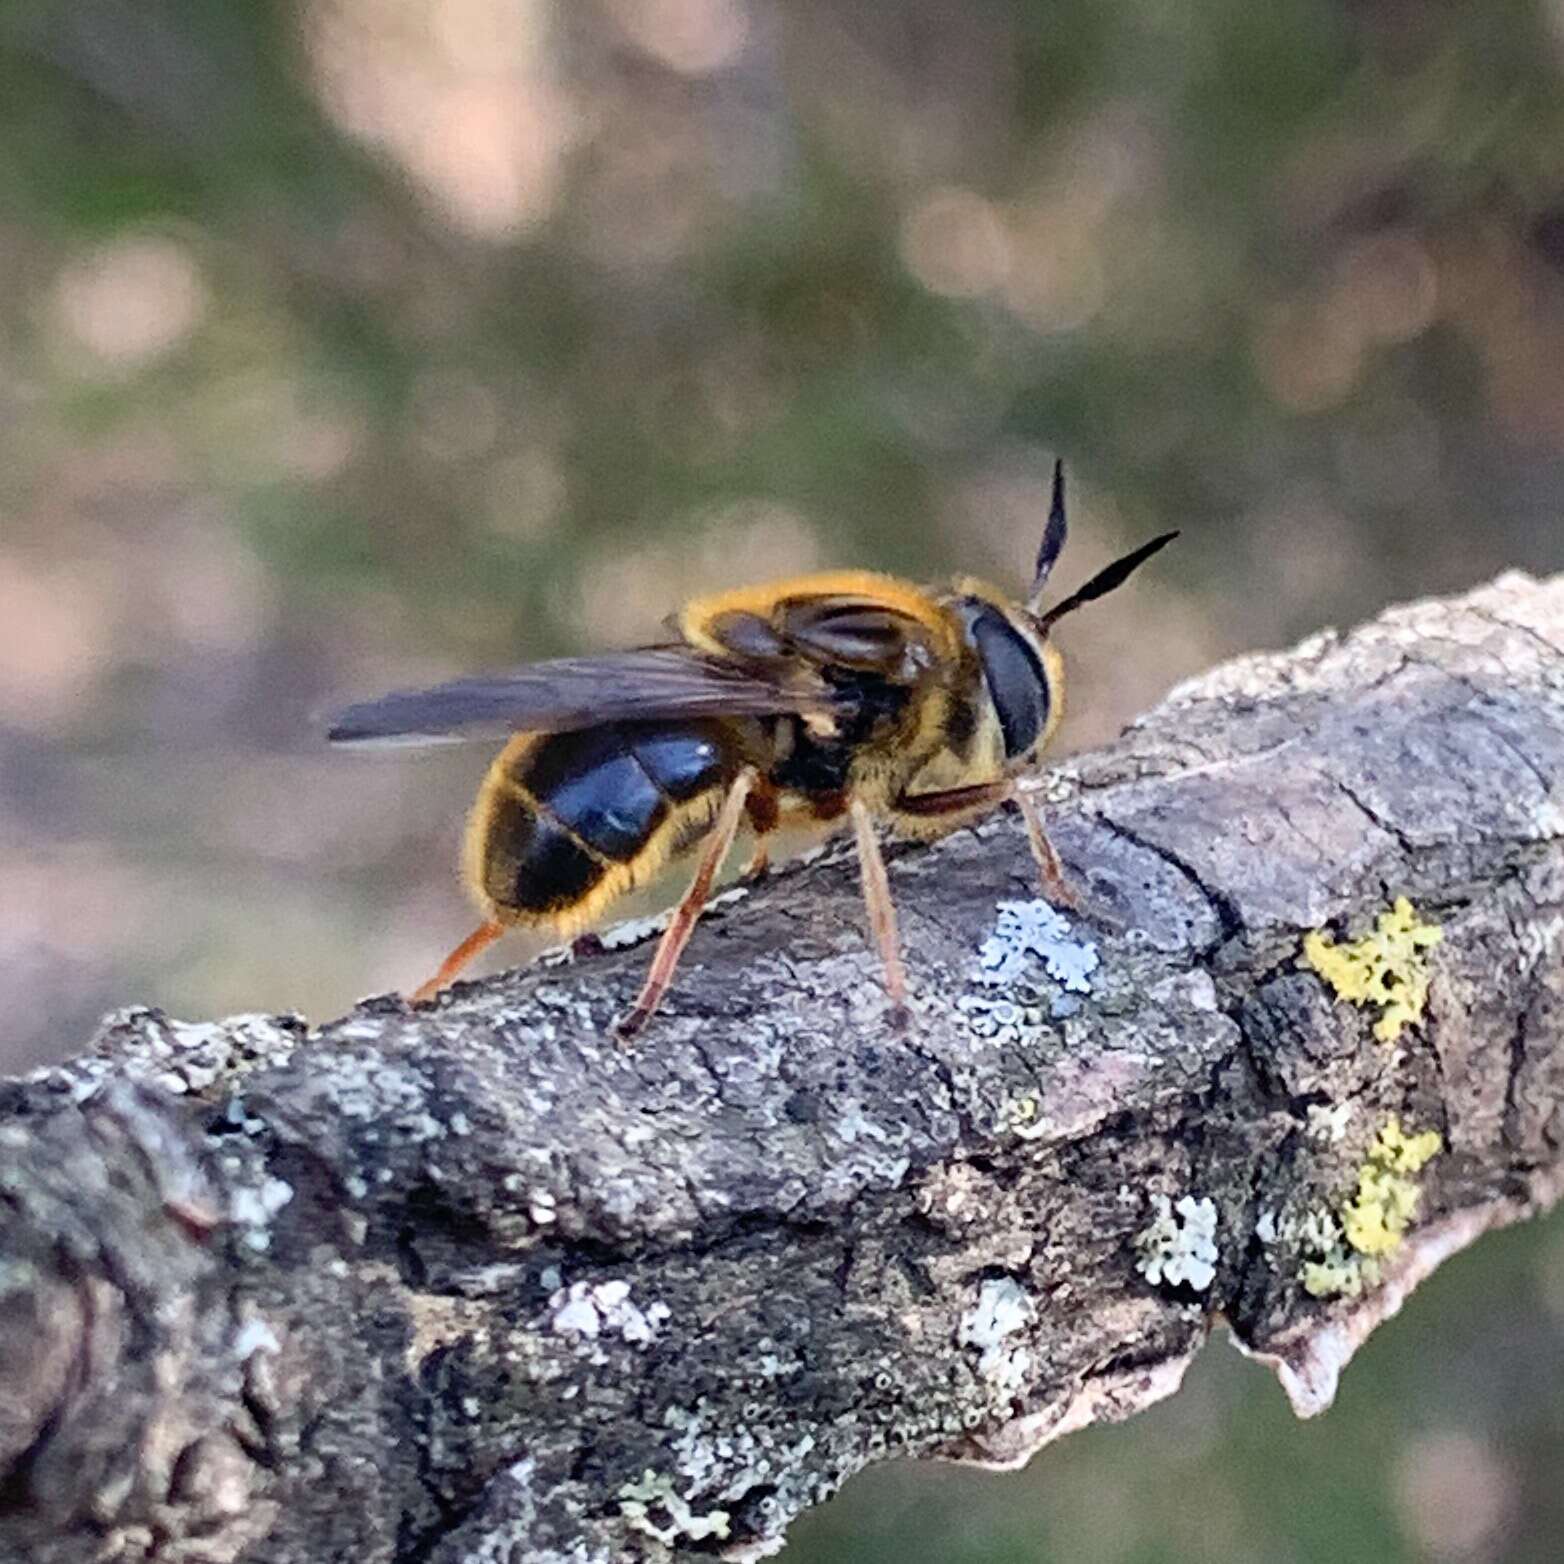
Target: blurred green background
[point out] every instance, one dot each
(351, 343)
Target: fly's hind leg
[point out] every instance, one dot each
(475, 944)
(882, 912)
(677, 934)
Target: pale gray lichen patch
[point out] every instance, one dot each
(238, 1115)
(725, 1460)
(364, 1086)
(1179, 1247)
(1016, 1018)
(631, 931)
(1028, 929)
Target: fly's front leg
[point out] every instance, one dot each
(1055, 886)
(971, 801)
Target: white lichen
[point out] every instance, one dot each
(1002, 1309)
(1028, 929)
(1027, 1009)
(725, 1459)
(237, 1115)
(1006, 1371)
(252, 1207)
(632, 931)
(180, 1056)
(1001, 1020)
(590, 1310)
(255, 1335)
(653, 1492)
(1179, 1248)
(1328, 1124)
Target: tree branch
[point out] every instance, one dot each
(473, 1283)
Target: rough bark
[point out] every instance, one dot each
(472, 1283)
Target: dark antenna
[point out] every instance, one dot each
(1053, 540)
(1114, 575)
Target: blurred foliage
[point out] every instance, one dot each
(348, 343)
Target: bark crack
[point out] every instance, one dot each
(1229, 920)
(1388, 827)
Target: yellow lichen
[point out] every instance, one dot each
(1388, 968)
(1341, 1248)
(1025, 1118)
(1339, 1278)
(1388, 1193)
(1332, 1269)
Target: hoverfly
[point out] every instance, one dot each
(846, 697)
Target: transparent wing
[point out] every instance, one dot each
(579, 692)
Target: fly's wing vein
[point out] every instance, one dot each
(571, 693)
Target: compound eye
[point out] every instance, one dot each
(1014, 676)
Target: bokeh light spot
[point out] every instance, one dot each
(1307, 356)
(481, 131)
(693, 37)
(1454, 1495)
(955, 243)
(132, 300)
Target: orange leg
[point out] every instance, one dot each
(882, 912)
(1055, 887)
(478, 941)
(761, 809)
(688, 911)
(971, 801)
(967, 800)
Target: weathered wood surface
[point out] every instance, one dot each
(473, 1284)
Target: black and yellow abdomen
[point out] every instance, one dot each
(566, 823)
